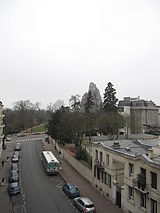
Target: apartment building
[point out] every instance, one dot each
(1, 127)
(138, 114)
(128, 173)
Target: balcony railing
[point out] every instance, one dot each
(99, 164)
(139, 186)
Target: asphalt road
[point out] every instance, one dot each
(41, 193)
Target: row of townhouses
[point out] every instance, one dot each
(128, 173)
(1, 127)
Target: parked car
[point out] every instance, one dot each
(13, 177)
(14, 167)
(18, 147)
(21, 135)
(13, 188)
(15, 159)
(8, 139)
(17, 153)
(71, 190)
(84, 204)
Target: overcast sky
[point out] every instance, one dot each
(52, 49)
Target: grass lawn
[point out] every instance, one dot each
(39, 128)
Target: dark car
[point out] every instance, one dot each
(13, 188)
(13, 177)
(14, 167)
(71, 190)
(17, 153)
(84, 204)
(18, 147)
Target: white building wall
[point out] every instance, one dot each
(127, 204)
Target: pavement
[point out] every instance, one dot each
(69, 174)
(5, 200)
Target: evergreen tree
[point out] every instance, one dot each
(110, 99)
(89, 102)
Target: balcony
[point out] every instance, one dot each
(140, 185)
(99, 164)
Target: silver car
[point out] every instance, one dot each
(14, 167)
(13, 188)
(13, 177)
(84, 204)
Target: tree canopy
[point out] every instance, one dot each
(110, 99)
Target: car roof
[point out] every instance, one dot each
(86, 200)
(14, 164)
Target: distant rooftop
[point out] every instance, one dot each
(136, 102)
(123, 137)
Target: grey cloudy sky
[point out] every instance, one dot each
(52, 49)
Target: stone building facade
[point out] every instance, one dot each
(1, 127)
(138, 114)
(128, 173)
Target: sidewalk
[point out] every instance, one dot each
(69, 174)
(5, 202)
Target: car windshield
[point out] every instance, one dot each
(14, 184)
(73, 189)
(89, 206)
(54, 164)
(14, 187)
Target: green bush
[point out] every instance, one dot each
(81, 154)
(90, 160)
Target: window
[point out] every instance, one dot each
(143, 200)
(153, 180)
(96, 154)
(107, 159)
(142, 179)
(105, 177)
(102, 175)
(153, 206)
(101, 157)
(143, 171)
(131, 169)
(98, 173)
(94, 171)
(131, 193)
(109, 180)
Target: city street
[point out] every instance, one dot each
(41, 193)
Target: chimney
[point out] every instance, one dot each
(150, 153)
(116, 145)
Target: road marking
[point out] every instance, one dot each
(30, 139)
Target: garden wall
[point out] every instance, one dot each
(77, 165)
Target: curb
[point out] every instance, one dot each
(63, 178)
